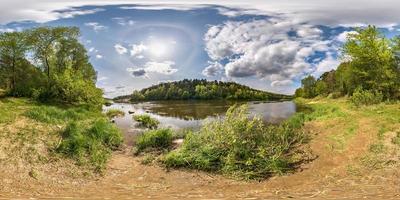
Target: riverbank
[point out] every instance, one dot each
(357, 153)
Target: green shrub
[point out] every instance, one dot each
(115, 113)
(366, 97)
(154, 139)
(239, 146)
(90, 144)
(146, 121)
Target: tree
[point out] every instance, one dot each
(308, 85)
(12, 53)
(372, 61)
(44, 41)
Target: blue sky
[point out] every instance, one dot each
(265, 46)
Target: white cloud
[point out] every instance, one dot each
(263, 48)
(213, 69)
(331, 12)
(343, 36)
(124, 21)
(281, 83)
(102, 78)
(74, 12)
(95, 26)
(325, 65)
(138, 49)
(98, 56)
(165, 68)
(120, 49)
(6, 30)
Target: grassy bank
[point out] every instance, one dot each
(39, 134)
(247, 149)
(372, 130)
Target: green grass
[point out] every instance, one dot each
(114, 113)
(90, 143)
(241, 147)
(146, 121)
(87, 136)
(154, 140)
(59, 115)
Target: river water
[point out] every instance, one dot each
(191, 114)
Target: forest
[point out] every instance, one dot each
(369, 73)
(202, 90)
(48, 64)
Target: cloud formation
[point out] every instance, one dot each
(265, 49)
(95, 26)
(164, 68)
(120, 49)
(137, 50)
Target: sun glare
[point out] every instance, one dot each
(158, 49)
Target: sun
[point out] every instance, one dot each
(158, 48)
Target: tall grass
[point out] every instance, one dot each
(154, 139)
(240, 147)
(90, 143)
(57, 115)
(146, 121)
(88, 136)
(111, 113)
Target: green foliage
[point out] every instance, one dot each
(308, 85)
(201, 89)
(61, 71)
(371, 62)
(114, 113)
(90, 144)
(154, 139)
(146, 121)
(239, 146)
(366, 97)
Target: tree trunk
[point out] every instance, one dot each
(13, 76)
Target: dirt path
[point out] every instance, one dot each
(335, 174)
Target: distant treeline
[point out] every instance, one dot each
(201, 89)
(49, 64)
(370, 71)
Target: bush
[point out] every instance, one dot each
(366, 97)
(146, 121)
(90, 144)
(154, 139)
(115, 113)
(239, 146)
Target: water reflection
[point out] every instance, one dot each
(190, 114)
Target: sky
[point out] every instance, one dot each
(269, 45)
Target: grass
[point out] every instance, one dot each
(111, 113)
(59, 115)
(90, 143)
(154, 140)
(241, 147)
(36, 131)
(146, 121)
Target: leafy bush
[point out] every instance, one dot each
(90, 144)
(366, 97)
(239, 146)
(115, 113)
(154, 139)
(146, 121)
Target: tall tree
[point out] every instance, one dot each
(45, 40)
(372, 61)
(13, 48)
